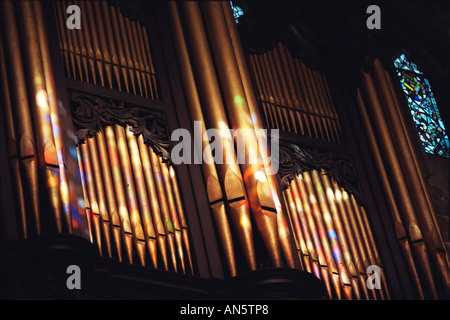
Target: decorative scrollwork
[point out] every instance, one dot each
(295, 159)
(91, 113)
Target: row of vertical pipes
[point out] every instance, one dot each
(133, 201)
(403, 183)
(37, 140)
(333, 236)
(243, 199)
(110, 49)
(294, 97)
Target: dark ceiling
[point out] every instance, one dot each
(337, 25)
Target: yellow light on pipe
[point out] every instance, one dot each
(260, 176)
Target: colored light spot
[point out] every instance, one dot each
(41, 99)
(332, 234)
(336, 253)
(238, 100)
(81, 202)
(169, 225)
(260, 176)
(237, 12)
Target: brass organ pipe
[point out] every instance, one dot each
(130, 193)
(100, 28)
(133, 54)
(214, 190)
(333, 109)
(22, 115)
(400, 232)
(180, 210)
(73, 37)
(85, 193)
(325, 109)
(358, 237)
(276, 103)
(62, 36)
(298, 231)
(306, 99)
(327, 106)
(110, 36)
(80, 49)
(370, 256)
(141, 196)
(300, 245)
(41, 114)
(308, 226)
(282, 222)
(123, 65)
(91, 194)
(95, 41)
(395, 170)
(365, 221)
(408, 137)
(317, 105)
(153, 200)
(295, 87)
(284, 96)
(13, 155)
(175, 223)
(148, 72)
(139, 54)
(300, 99)
(272, 92)
(320, 110)
(87, 40)
(314, 200)
(279, 99)
(266, 91)
(357, 270)
(54, 114)
(275, 98)
(287, 81)
(314, 108)
(341, 240)
(68, 36)
(295, 99)
(229, 173)
(259, 192)
(150, 61)
(128, 59)
(98, 184)
(358, 253)
(259, 86)
(109, 191)
(329, 225)
(165, 210)
(118, 184)
(309, 223)
(413, 176)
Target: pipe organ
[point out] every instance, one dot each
(88, 142)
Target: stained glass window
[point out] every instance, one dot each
(237, 12)
(423, 107)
